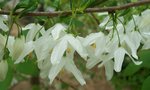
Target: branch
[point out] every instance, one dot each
(88, 10)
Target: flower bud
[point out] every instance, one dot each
(3, 69)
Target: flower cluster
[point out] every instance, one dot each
(54, 48)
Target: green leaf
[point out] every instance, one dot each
(146, 84)
(124, 12)
(131, 69)
(28, 67)
(145, 57)
(3, 3)
(26, 6)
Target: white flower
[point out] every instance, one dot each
(130, 42)
(61, 47)
(99, 52)
(3, 69)
(18, 48)
(63, 54)
(68, 63)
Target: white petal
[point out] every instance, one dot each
(102, 13)
(91, 62)
(146, 45)
(55, 69)
(104, 21)
(2, 40)
(33, 30)
(105, 59)
(118, 59)
(2, 44)
(109, 71)
(70, 66)
(132, 47)
(100, 46)
(18, 47)
(44, 67)
(90, 39)
(58, 51)
(57, 30)
(75, 43)
(135, 62)
(2, 25)
(11, 41)
(43, 47)
(28, 48)
(3, 69)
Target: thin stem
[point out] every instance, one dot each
(114, 26)
(134, 23)
(88, 10)
(10, 27)
(122, 25)
(95, 18)
(42, 26)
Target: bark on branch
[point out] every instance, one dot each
(88, 10)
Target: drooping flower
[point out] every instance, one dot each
(67, 63)
(18, 48)
(97, 47)
(129, 44)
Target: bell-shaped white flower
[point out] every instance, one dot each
(99, 52)
(18, 48)
(61, 47)
(3, 69)
(67, 63)
(130, 39)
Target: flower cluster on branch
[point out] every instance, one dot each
(55, 48)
